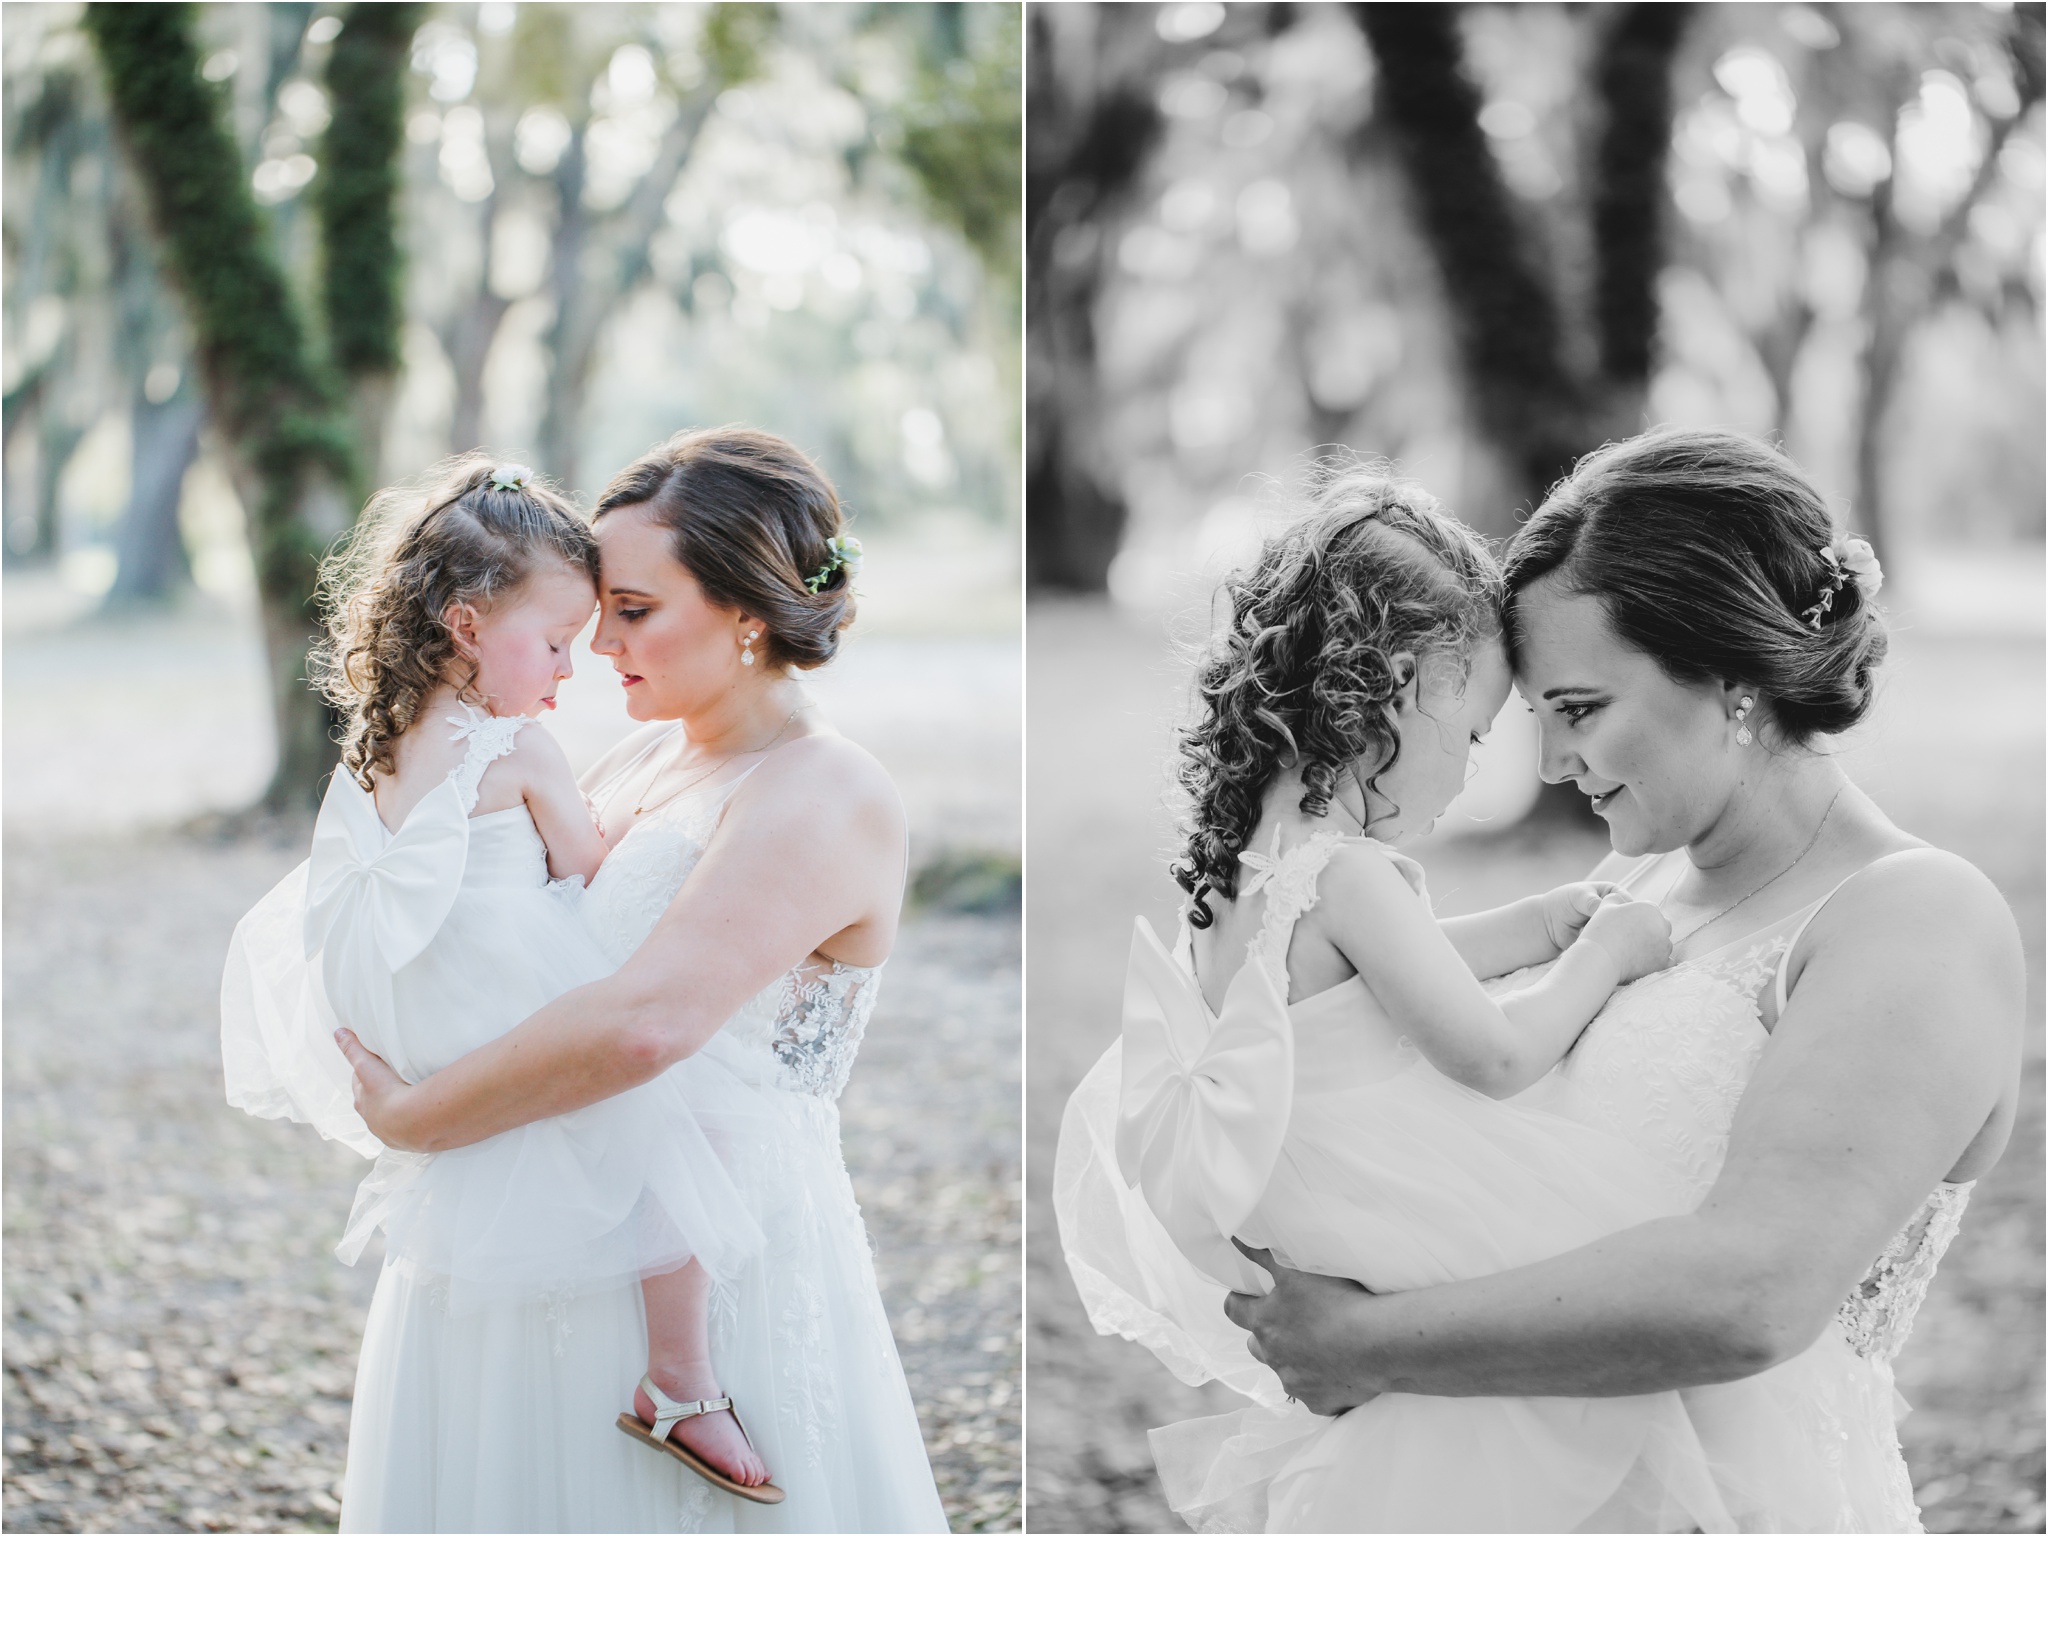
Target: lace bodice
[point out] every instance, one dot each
(1666, 1062)
(490, 737)
(808, 1024)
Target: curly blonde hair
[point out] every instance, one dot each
(419, 549)
(1301, 673)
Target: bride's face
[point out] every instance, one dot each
(1654, 754)
(677, 653)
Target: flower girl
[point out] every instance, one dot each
(437, 910)
(1316, 1069)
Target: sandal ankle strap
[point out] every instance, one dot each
(668, 1413)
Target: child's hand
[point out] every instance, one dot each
(1566, 909)
(1636, 934)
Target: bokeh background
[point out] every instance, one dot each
(607, 222)
(1478, 240)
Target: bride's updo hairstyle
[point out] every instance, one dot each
(1704, 549)
(470, 530)
(752, 520)
(1301, 673)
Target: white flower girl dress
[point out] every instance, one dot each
(429, 942)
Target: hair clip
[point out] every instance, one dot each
(1852, 559)
(843, 551)
(511, 477)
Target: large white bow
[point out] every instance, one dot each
(1205, 1103)
(371, 894)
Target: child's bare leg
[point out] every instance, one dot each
(679, 1360)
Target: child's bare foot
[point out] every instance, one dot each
(714, 1438)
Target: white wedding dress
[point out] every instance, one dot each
(1317, 1131)
(506, 1331)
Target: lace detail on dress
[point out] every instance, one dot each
(1748, 967)
(1290, 885)
(1878, 1316)
(820, 1018)
(489, 738)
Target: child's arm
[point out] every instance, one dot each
(1369, 911)
(568, 828)
(1525, 933)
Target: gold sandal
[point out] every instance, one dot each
(668, 1414)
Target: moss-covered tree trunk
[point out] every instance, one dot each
(291, 440)
(355, 198)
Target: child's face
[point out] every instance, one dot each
(1441, 714)
(521, 642)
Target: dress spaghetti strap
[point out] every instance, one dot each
(1806, 920)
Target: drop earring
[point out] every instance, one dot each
(1742, 733)
(747, 648)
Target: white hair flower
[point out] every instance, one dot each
(511, 477)
(1855, 560)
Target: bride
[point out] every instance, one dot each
(751, 892)
(1830, 1062)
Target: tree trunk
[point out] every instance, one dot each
(57, 439)
(356, 200)
(1078, 163)
(558, 422)
(275, 409)
(150, 547)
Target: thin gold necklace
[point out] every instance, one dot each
(708, 771)
(1812, 842)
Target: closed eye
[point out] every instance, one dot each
(1576, 712)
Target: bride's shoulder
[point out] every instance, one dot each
(828, 777)
(1921, 899)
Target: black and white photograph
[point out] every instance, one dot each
(1535, 779)
(513, 698)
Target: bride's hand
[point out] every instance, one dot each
(1303, 1332)
(379, 1092)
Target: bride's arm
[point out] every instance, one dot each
(1899, 1048)
(810, 849)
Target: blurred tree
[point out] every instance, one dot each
(355, 195)
(165, 412)
(963, 132)
(1087, 133)
(275, 399)
(1511, 322)
(1802, 165)
(58, 259)
(599, 254)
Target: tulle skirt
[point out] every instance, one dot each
(499, 1416)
